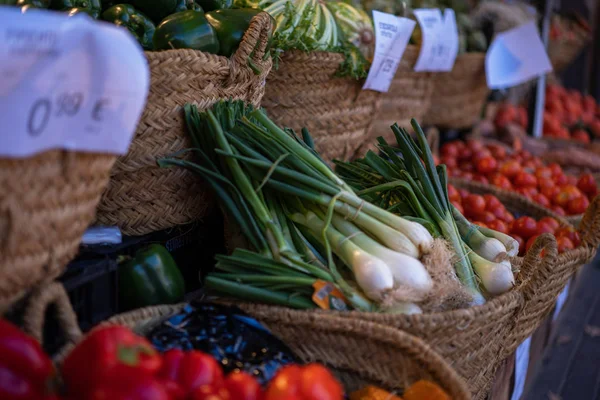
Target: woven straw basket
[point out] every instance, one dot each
(459, 95)
(359, 353)
(409, 96)
(305, 93)
(141, 197)
(47, 202)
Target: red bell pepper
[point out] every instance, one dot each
(310, 382)
(187, 371)
(242, 386)
(26, 372)
(107, 356)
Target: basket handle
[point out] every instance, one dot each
(42, 298)
(535, 278)
(589, 227)
(252, 55)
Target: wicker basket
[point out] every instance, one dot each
(409, 96)
(141, 197)
(304, 92)
(46, 203)
(563, 51)
(459, 96)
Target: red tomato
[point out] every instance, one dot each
(578, 205)
(550, 191)
(459, 207)
(500, 181)
(479, 223)
(486, 165)
(310, 382)
(463, 193)
(210, 392)
(492, 202)
(565, 195)
(524, 179)
(558, 210)
(499, 226)
(450, 150)
(466, 166)
(468, 176)
(453, 194)
(498, 212)
(465, 154)
(551, 222)
(510, 168)
(587, 184)
(589, 103)
(498, 152)
(523, 117)
(474, 204)
(571, 233)
(480, 153)
(521, 243)
(528, 192)
(561, 180)
(543, 173)
(564, 244)
(505, 115)
(449, 162)
(544, 227)
(571, 180)
(508, 218)
(475, 144)
(541, 200)
(242, 386)
(556, 169)
(525, 227)
(486, 217)
(580, 135)
(191, 369)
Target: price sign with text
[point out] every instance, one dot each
(68, 83)
(440, 43)
(392, 34)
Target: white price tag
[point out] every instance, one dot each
(391, 37)
(68, 82)
(439, 45)
(516, 56)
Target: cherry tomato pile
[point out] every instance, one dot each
(114, 363)
(489, 212)
(520, 172)
(568, 115)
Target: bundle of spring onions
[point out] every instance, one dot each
(410, 184)
(304, 225)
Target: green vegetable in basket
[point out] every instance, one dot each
(137, 23)
(186, 30)
(356, 26)
(211, 5)
(157, 10)
(94, 6)
(34, 3)
(230, 26)
(151, 277)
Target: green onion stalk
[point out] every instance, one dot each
(301, 220)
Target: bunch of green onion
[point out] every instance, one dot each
(303, 223)
(413, 186)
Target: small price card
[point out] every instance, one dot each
(68, 83)
(516, 56)
(391, 37)
(440, 43)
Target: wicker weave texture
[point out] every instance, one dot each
(46, 203)
(459, 95)
(141, 197)
(304, 92)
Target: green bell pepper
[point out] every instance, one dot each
(184, 5)
(95, 6)
(157, 10)
(230, 26)
(34, 3)
(151, 277)
(211, 5)
(186, 30)
(138, 24)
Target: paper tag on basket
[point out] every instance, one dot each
(328, 297)
(439, 45)
(392, 34)
(68, 83)
(516, 56)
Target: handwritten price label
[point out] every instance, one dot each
(391, 37)
(439, 46)
(68, 82)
